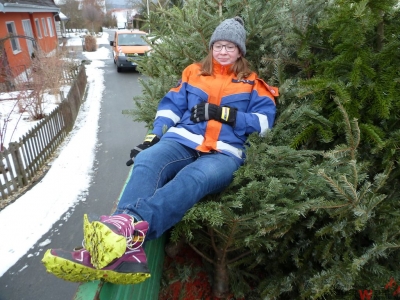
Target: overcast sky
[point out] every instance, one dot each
(25, 221)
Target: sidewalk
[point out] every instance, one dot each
(73, 44)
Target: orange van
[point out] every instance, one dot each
(127, 47)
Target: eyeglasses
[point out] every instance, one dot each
(228, 48)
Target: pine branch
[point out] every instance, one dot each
(245, 254)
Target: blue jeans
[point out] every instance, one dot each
(168, 179)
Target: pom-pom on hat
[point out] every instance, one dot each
(231, 30)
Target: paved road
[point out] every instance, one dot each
(117, 135)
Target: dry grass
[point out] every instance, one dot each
(46, 76)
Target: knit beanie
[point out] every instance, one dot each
(231, 30)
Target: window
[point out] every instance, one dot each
(14, 41)
(27, 27)
(39, 32)
(50, 24)
(44, 27)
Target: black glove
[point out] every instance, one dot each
(149, 141)
(206, 111)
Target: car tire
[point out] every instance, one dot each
(119, 69)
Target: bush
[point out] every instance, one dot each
(90, 43)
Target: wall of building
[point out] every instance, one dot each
(20, 60)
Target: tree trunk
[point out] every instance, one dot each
(221, 276)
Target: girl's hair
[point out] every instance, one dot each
(240, 68)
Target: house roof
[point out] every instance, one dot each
(28, 6)
(63, 17)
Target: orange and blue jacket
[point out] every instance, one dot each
(252, 97)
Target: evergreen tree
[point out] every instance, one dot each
(314, 210)
(360, 65)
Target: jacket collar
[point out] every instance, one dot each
(220, 69)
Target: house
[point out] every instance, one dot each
(60, 26)
(123, 16)
(26, 26)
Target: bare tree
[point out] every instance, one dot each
(141, 5)
(109, 20)
(93, 17)
(71, 8)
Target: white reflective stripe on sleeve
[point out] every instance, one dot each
(228, 148)
(168, 114)
(263, 119)
(196, 138)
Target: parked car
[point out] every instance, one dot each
(121, 25)
(128, 46)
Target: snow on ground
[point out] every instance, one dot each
(25, 221)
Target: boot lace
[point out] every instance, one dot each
(134, 237)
